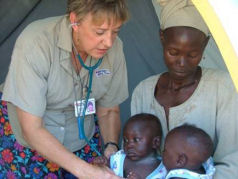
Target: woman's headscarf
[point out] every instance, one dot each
(180, 13)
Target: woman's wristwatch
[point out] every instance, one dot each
(111, 143)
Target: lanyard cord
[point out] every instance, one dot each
(81, 119)
(83, 86)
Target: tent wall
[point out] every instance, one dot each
(15, 15)
(142, 47)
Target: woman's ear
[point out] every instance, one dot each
(73, 20)
(156, 142)
(181, 161)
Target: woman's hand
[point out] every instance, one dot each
(100, 172)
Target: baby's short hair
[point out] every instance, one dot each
(195, 136)
(151, 120)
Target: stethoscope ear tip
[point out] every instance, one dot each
(73, 24)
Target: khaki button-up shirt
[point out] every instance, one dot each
(41, 80)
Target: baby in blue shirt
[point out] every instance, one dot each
(138, 159)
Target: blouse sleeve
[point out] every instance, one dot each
(226, 153)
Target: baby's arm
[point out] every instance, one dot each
(101, 161)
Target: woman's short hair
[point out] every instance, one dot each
(115, 10)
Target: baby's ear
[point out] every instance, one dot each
(181, 161)
(156, 142)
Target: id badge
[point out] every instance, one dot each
(80, 105)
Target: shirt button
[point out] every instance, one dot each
(62, 128)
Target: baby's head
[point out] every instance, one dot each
(142, 135)
(186, 147)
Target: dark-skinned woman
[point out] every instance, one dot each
(188, 93)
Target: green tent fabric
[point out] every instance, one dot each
(12, 13)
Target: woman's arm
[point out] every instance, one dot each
(49, 147)
(110, 126)
(226, 152)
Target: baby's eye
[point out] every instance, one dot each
(136, 139)
(125, 140)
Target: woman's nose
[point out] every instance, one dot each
(181, 61)
(108, 40)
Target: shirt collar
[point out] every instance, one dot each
(184, 173)
(64, 34)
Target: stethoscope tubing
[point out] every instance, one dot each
(81, 119)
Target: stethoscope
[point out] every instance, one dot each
(80, 119)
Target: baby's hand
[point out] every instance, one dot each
(133, 175)
(101, 161)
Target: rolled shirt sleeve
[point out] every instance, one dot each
(26, 82)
